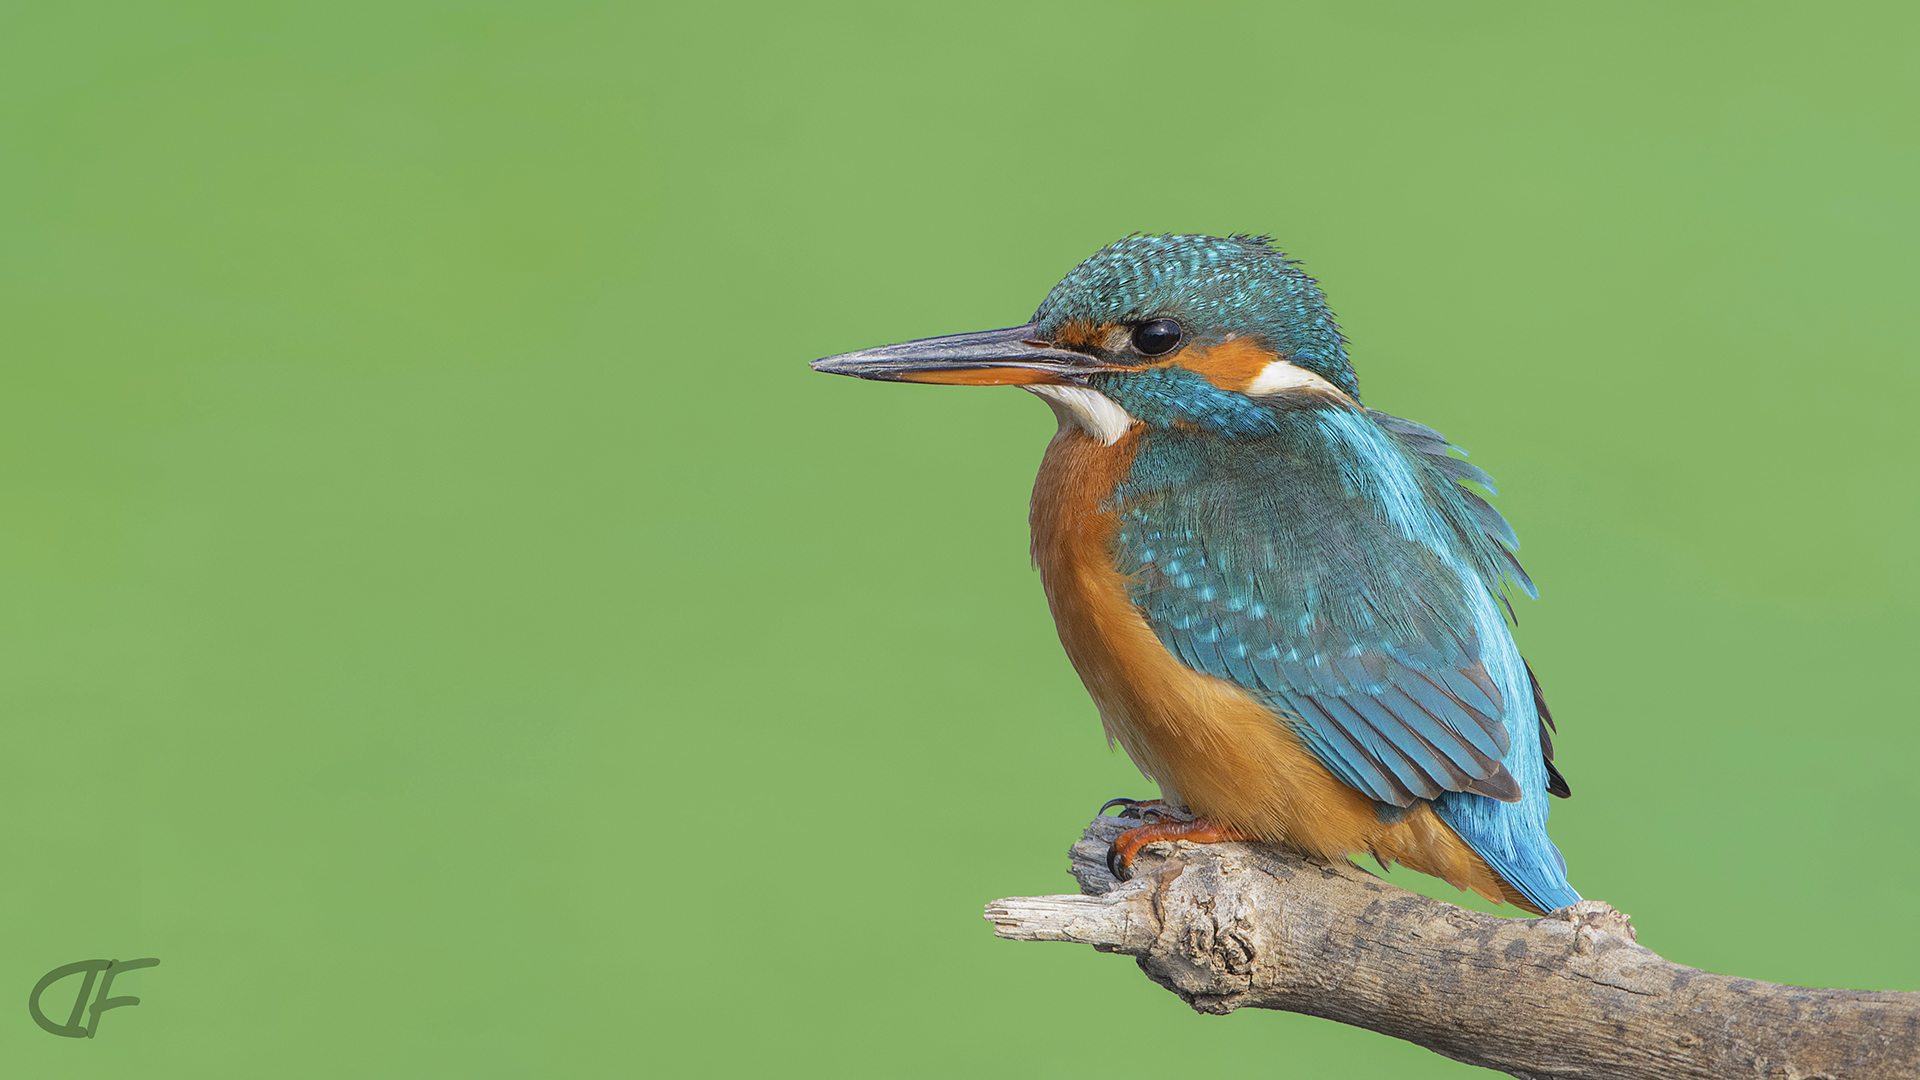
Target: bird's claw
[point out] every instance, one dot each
(1134, 809)
(1116, 865)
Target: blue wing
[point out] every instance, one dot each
(1336, 569)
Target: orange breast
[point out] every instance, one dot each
(1206, 741)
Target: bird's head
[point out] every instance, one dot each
(1165, 330)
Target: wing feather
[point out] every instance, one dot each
(1282, 572)
(1487, 735)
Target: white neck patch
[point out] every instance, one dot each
(1090, 410)
(1281, 375)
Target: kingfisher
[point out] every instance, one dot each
(1287, 606)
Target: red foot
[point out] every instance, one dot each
(1121, 853)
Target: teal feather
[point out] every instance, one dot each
(1329, 560)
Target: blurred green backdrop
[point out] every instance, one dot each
(444, 621)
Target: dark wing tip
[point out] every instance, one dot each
(1557, 784)
(1539, 695)
(1501, 785)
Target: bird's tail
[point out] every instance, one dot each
(1419, 840)
(1426, 840)
(1511, 840)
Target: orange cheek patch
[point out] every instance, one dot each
(1230, 365)
(1001, 376)
(1080, 334)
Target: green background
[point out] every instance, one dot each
(444, 621)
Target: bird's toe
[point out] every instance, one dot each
(1135, 809)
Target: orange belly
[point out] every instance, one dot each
(1208, 743)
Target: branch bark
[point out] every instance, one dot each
(1570, 995)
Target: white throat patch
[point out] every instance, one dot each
(1090, 410)
(1281, 375)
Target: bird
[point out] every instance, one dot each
(1291, 610)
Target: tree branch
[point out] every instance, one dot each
(1570, 995)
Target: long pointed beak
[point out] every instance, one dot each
(1009, 357)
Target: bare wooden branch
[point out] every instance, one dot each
(1571, 995)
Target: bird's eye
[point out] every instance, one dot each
(1156, 337)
